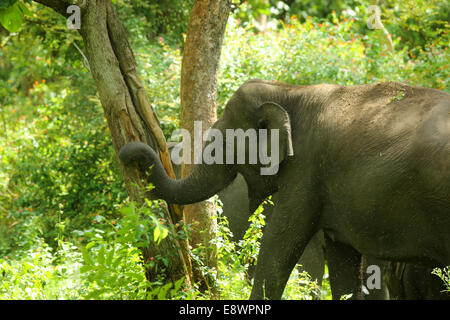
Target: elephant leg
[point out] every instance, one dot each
(344, 268)
(313, 260)
(284, 240)
(409, 281)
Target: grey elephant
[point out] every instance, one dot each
(407, 281)
(398, 281)
(367, 164)
(235, 207)
(234, 200)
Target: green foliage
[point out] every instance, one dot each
(235, 259)
(252, 9)
(107, 277)
(419, 23)
(318, 9)
(7, 3)
(62, 234)
(108, 266)
(168, 18)
(324, 52)
(58, 164)
(41, 274)
(160, 69)
(444, 274)
(12, 13)
(113, 266)
(300, 286)
(65, 160)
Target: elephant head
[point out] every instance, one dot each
(205, 180)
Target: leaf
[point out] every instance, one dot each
(24, 9)
(86, 256)
(101, 256)
(178, 285)
(129, 210)
(90, 245)
(11, 18)
(110, 256)
(156, 234)
(162, 294)
(85, 269)
(160, 233)
(115, 264)
(96, 294)
(165, 233)
(7, 3)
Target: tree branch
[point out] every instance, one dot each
(57, 5)
(60, 6)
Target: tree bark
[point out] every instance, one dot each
(129, 115)
(198, 92)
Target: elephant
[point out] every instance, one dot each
(234, 200)
(397, 281)
(407, 281)
(367, 164)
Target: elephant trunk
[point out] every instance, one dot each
(203, 182)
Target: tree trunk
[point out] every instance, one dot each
(200, 65)
(128, 112)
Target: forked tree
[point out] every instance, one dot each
(129, 112)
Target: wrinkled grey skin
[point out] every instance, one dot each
(367, 164)
(398, 281)
(234, 200)
(235, 207)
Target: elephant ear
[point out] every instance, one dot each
(273, 116)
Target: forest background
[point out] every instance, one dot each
(67, 229)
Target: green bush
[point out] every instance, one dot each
(56, 156)
(59, 173)
(444, 274)
(235, 259)
(324, 52)
(107, 264)
(156, 18)
(41, 274)
(65, 161)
